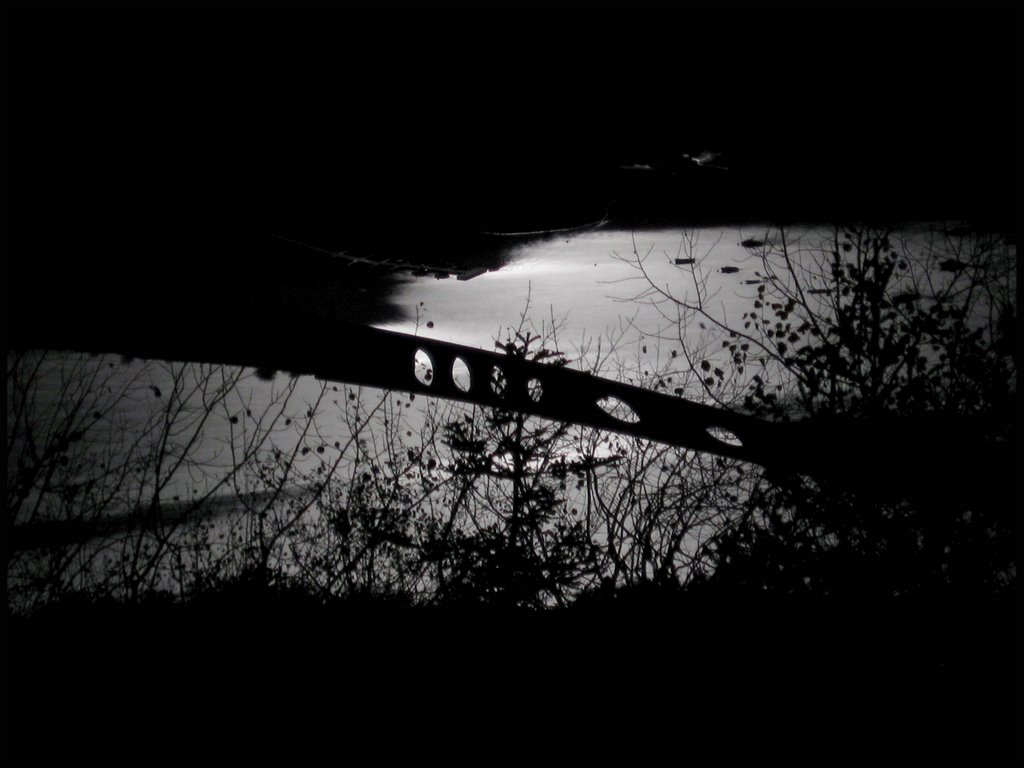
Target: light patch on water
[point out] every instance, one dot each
(585, 284)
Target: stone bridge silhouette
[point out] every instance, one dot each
(390, 360)
(887, 456)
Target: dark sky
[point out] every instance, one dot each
(146, 129)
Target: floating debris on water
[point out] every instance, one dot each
(905, 298)
(960, 231)
(469, 275)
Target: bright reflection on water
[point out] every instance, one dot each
(586, 283)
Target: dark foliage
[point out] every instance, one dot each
(904, 382)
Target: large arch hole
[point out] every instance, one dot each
(618, 409)
(725, 436)
(499, 382)
(423, 367)
(462, 377)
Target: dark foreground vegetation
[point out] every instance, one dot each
(481, 584)
(264, 674)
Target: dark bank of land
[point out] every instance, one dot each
(264, 676)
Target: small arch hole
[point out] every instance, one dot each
(499, 383)
(535, 390)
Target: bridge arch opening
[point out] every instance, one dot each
(535, 390)
(499, 382)
(462, 376)
(725, 436)
(423, 367)
(618, 409)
